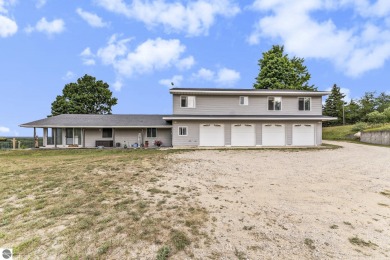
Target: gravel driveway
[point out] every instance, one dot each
(288, 204)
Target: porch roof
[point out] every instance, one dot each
(100, 121)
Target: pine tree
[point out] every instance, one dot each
(334, 106)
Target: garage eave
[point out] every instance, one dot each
(252, 118)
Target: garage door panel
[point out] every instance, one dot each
(211, 135)
(243, 135)
(303, 135)
(274, 135)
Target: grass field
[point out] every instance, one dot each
(346, 132)
(91, 204)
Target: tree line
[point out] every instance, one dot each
(370, 108)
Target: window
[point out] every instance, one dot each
(243, 101)
(274, 103)
(304, 103)
(182, 131)
(107, 132)
(151, 132)
(187, 101)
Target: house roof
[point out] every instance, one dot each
(250, 117)
(99, 121)
(236, 91)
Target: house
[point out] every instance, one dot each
(201, 117)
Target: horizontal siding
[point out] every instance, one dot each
(127, 136)
(192, 139)
(258, 105)
(91, 135)
(163, 134)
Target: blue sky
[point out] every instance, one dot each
(139, 47)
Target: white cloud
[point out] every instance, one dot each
(91, 18)
(195, 18)
(354, 50)
(88, 57)
(176, 80)
(227, 76)
(224, 76)
(4, 129)
(186, 63)
(205, 74)
(44, 26)
(149, 56)
(118, 85)
(8, 27)
(40, 3)
(68, 76)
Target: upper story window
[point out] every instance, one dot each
(274, 103)
(304, 103)
(243, 100)
(151, 132)
(107, 133)
(187, 101)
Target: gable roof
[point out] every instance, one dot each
(251, 91)
(100, 121)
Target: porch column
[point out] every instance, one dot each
(83, 136)
(55, 136)
(35, 132)
(113, 137)
(44, 137)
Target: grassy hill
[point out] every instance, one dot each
(346, 132)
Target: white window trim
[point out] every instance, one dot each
(246, 100)
(304, 103)
(281, 103)
(187, 96)
(178, 130)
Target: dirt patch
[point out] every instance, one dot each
(283, 204)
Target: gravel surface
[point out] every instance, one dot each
(289, 204)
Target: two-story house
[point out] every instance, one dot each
(201, 117)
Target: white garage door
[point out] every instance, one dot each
(211, 135)
(243, 135)
(273, 135)
(303, 134)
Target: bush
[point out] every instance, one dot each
(3, 139)
(359, 126)
(376, 117)
(386, 112)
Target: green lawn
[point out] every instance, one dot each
(93, 204)
(346, 132)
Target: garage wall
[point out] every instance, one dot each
(193, 131)
(192, 138)
(258, 133)
(319, 133)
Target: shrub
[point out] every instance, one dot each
(386, 112)
(376, 117)
(3, 139)
(359, 126)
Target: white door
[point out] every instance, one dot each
(211, 135)
(303, 135)
(273, 135)
(243, 135)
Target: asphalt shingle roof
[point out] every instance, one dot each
(87, 120)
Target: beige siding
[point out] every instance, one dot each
(258, 105)
(91, 135)
(127, 136)
(163, 134)
(192, 138)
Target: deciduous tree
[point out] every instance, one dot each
(86, 96)
(278, 71)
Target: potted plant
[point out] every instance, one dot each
(157, 143)
(146, 143)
